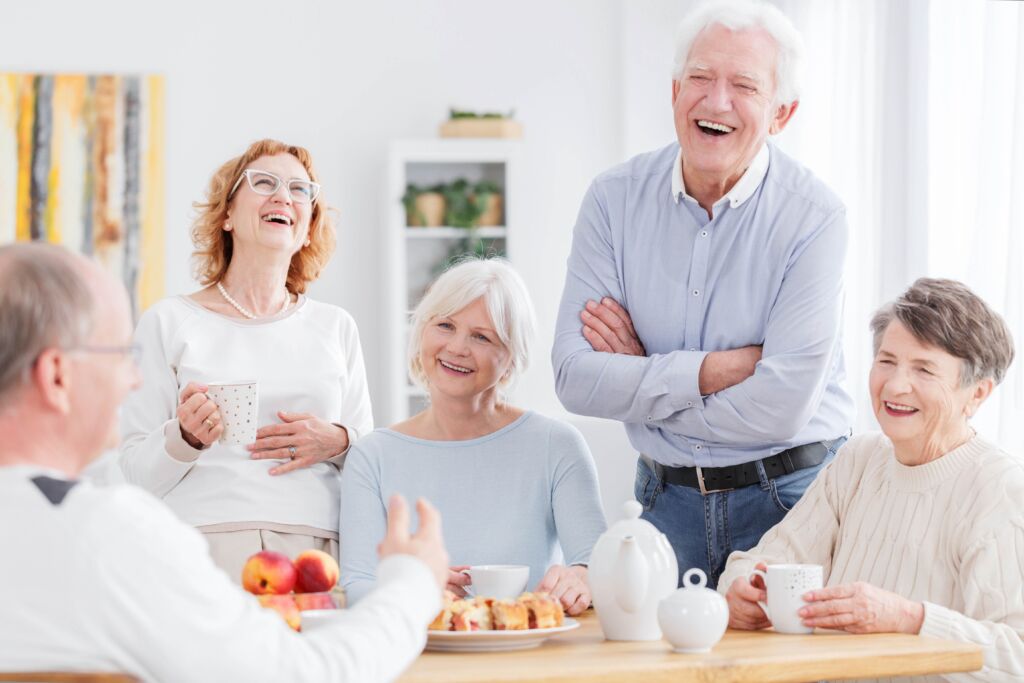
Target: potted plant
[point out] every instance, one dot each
(487, 196)
(424, 207)
(471, 124)
(461, 211)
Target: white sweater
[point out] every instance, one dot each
(307, 360)
(949, 533)
(106, 579)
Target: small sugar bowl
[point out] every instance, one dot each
(693, 618)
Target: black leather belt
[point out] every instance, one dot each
(715, 479)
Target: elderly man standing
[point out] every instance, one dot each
(703, 298)
(108, 579)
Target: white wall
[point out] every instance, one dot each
(344, 78)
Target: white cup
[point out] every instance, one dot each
(501, 581)
(786, 585)
(238, 403)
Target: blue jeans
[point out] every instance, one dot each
(703, 530)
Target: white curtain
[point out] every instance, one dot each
(976, 174)
(914, 113)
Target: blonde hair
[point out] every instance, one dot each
(214, 245)
(507, 301)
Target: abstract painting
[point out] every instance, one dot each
(81, 164)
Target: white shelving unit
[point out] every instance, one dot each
(414, 256)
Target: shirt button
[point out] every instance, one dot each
(696, 292)
(689, 404)
(703, 233)
(697, 447)
(649, 418)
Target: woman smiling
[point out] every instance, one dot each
(511, 485)
(262, 236)
(919, 529)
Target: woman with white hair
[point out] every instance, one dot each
(512, 486)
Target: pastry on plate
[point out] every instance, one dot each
(472, 615)
(544, 611)
(509, 616)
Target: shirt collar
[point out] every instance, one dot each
(740, 192)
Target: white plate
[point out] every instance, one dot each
(493, 641)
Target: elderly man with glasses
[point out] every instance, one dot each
(107, 579)
(703, 298)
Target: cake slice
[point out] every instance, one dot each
(443, 620)
(472, 615)
(544, 611)
(509, 616)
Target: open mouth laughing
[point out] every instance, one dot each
(278, 217)
(898, 409)
(452, 367)
(713, 128)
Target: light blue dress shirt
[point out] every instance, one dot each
(525, 494)
(766, 269)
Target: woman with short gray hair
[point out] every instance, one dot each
(512, 486)
(919, 529)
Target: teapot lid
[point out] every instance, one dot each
(631, 524)
(694, 590)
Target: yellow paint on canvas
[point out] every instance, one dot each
(26, 117)
(151, 254)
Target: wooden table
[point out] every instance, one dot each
(584, 655)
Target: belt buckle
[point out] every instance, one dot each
(700, 484)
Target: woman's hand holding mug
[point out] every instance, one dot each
(198, 418)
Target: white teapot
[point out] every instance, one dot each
(632, 568)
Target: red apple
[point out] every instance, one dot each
(306, 601)
(268, 572)
(285, 606)
(318, 572)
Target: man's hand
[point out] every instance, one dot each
(608, 328)
(744, 612)
(723, 369)
(862, 608)
(426, 544)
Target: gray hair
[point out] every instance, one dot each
(45, 302)
(745, 14)
(948, 315)
(505, 297)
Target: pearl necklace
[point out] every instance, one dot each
(241, 309)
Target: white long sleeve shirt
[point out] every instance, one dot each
(949, 533)
(106, 579)
(307, 360)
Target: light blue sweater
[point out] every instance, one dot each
(511, 497)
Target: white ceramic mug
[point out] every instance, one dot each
(238, 404)
(786, 585)
(501, 581)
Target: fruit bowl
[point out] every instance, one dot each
(290, 588)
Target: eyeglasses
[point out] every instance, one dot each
(266, 183)
(134, 350)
